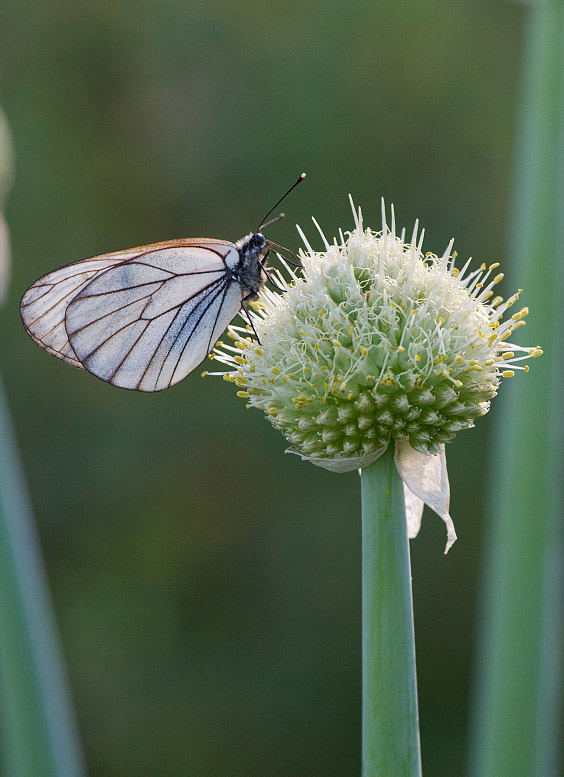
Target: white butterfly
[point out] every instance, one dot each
(144, 318)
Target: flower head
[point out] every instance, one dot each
(377, 342)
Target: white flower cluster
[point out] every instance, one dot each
(376, 342)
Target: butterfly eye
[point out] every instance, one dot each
(259, 239)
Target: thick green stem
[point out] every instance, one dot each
(517, 727)
(37, 723)
(390, 726)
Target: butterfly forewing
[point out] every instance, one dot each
(141, 319)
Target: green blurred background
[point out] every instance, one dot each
(207, 587)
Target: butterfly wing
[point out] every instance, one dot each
(44, 304)
(146, 318)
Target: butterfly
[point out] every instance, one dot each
(144, 318)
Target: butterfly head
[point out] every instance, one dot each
(253, 247)
(258, 240)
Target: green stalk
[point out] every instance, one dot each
(390, 726)
(516, 732)
(36, 719)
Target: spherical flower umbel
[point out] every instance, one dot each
(376, 343)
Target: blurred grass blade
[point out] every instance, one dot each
(37, 722)
(516, 730)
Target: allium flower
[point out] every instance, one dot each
(378, 343)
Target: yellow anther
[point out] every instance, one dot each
(498, 278)
(284, 379)
(401, 349)
(526, 368)
(204, 373)
(336, 343)
(417, 357)
(364, 351)
(350, 395)
(482, 267)
(493, 266)
(243, 394)
(507, 355)
(239, 360)
(507, 373)
(232, 335)
(488, 295)
(241, 345)
(229, 377)
(521, 314)
(458, 358)
(496, 301)
(536, 352)
(275, 371)
(258, 351)
(489, 362)
(211, 355)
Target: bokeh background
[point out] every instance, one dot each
(206, 586)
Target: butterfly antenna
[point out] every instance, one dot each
(272, 221)
(300, 179)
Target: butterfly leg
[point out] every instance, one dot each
(249, 319)
(269, 276)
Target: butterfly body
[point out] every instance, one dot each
(250, 273)
(143, 318)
